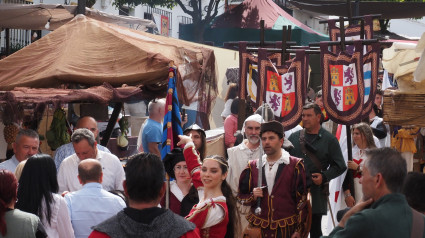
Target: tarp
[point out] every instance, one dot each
(388, 9)
(90, 52)
(242, 23)
(98, 94)
(249, 13)
(35, 17)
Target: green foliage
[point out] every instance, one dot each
(152, 3)
(58, 133)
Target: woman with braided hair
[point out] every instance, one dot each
(215, 214)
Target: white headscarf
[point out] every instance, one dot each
(255, 117)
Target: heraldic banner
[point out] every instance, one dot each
(250, 85)
(285, 88)
(370, 77)
(352, 32)
(342, 84)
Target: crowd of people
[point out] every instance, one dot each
(260, 189)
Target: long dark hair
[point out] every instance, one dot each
(203, 149)
(8, 187)
(234, 219)
(38, 181)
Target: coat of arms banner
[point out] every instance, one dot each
(284, 89)
(342, 84)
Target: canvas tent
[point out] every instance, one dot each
(388, 9)
(242, 23)
(90, 52)
(35, 17)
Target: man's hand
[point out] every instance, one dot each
(317, 178)
(258, 192)
(296, 235)
(357, 208)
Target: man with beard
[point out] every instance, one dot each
(238, 156)
(283, 190)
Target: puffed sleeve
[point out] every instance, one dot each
(245, 195)
(193, 164)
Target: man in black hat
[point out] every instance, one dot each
(284, 182)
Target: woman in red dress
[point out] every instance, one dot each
(215, 214)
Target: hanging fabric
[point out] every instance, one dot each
(342, 84)
(250, 85)
(172, 119)
(370, 77)
(285, 88)
(352, 32)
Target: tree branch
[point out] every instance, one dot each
(209, 17)
(184, 8)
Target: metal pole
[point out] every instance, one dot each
(81, 7)
(260, 169)
(111, 123)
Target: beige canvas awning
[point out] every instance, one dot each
(35, 17)
(91, 52)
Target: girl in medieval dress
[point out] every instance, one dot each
(215, 214)
(183, 195)
(362, 141)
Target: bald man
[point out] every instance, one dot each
(91, 205)
(151, 133)
(67, 150)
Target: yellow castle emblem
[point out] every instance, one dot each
(274, 84)
(349, 96)
(287, 104)
(334, 75)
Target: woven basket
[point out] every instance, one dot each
(404, 108)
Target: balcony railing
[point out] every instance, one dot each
(12, 40)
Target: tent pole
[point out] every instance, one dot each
(262, 33)
(81, 7)
(283, 56)
(111, 123)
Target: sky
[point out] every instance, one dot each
(408, 27)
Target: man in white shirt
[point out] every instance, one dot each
(25, 146)
(240, 155)
(91, 205)
(249, 149)
(66, 150)
(85, 148)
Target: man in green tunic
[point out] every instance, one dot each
(325, 147)
(389, 214)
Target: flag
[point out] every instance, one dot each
(370, 78)
(172, 120)
(336, 195)
(284, 88)
(342, 84)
